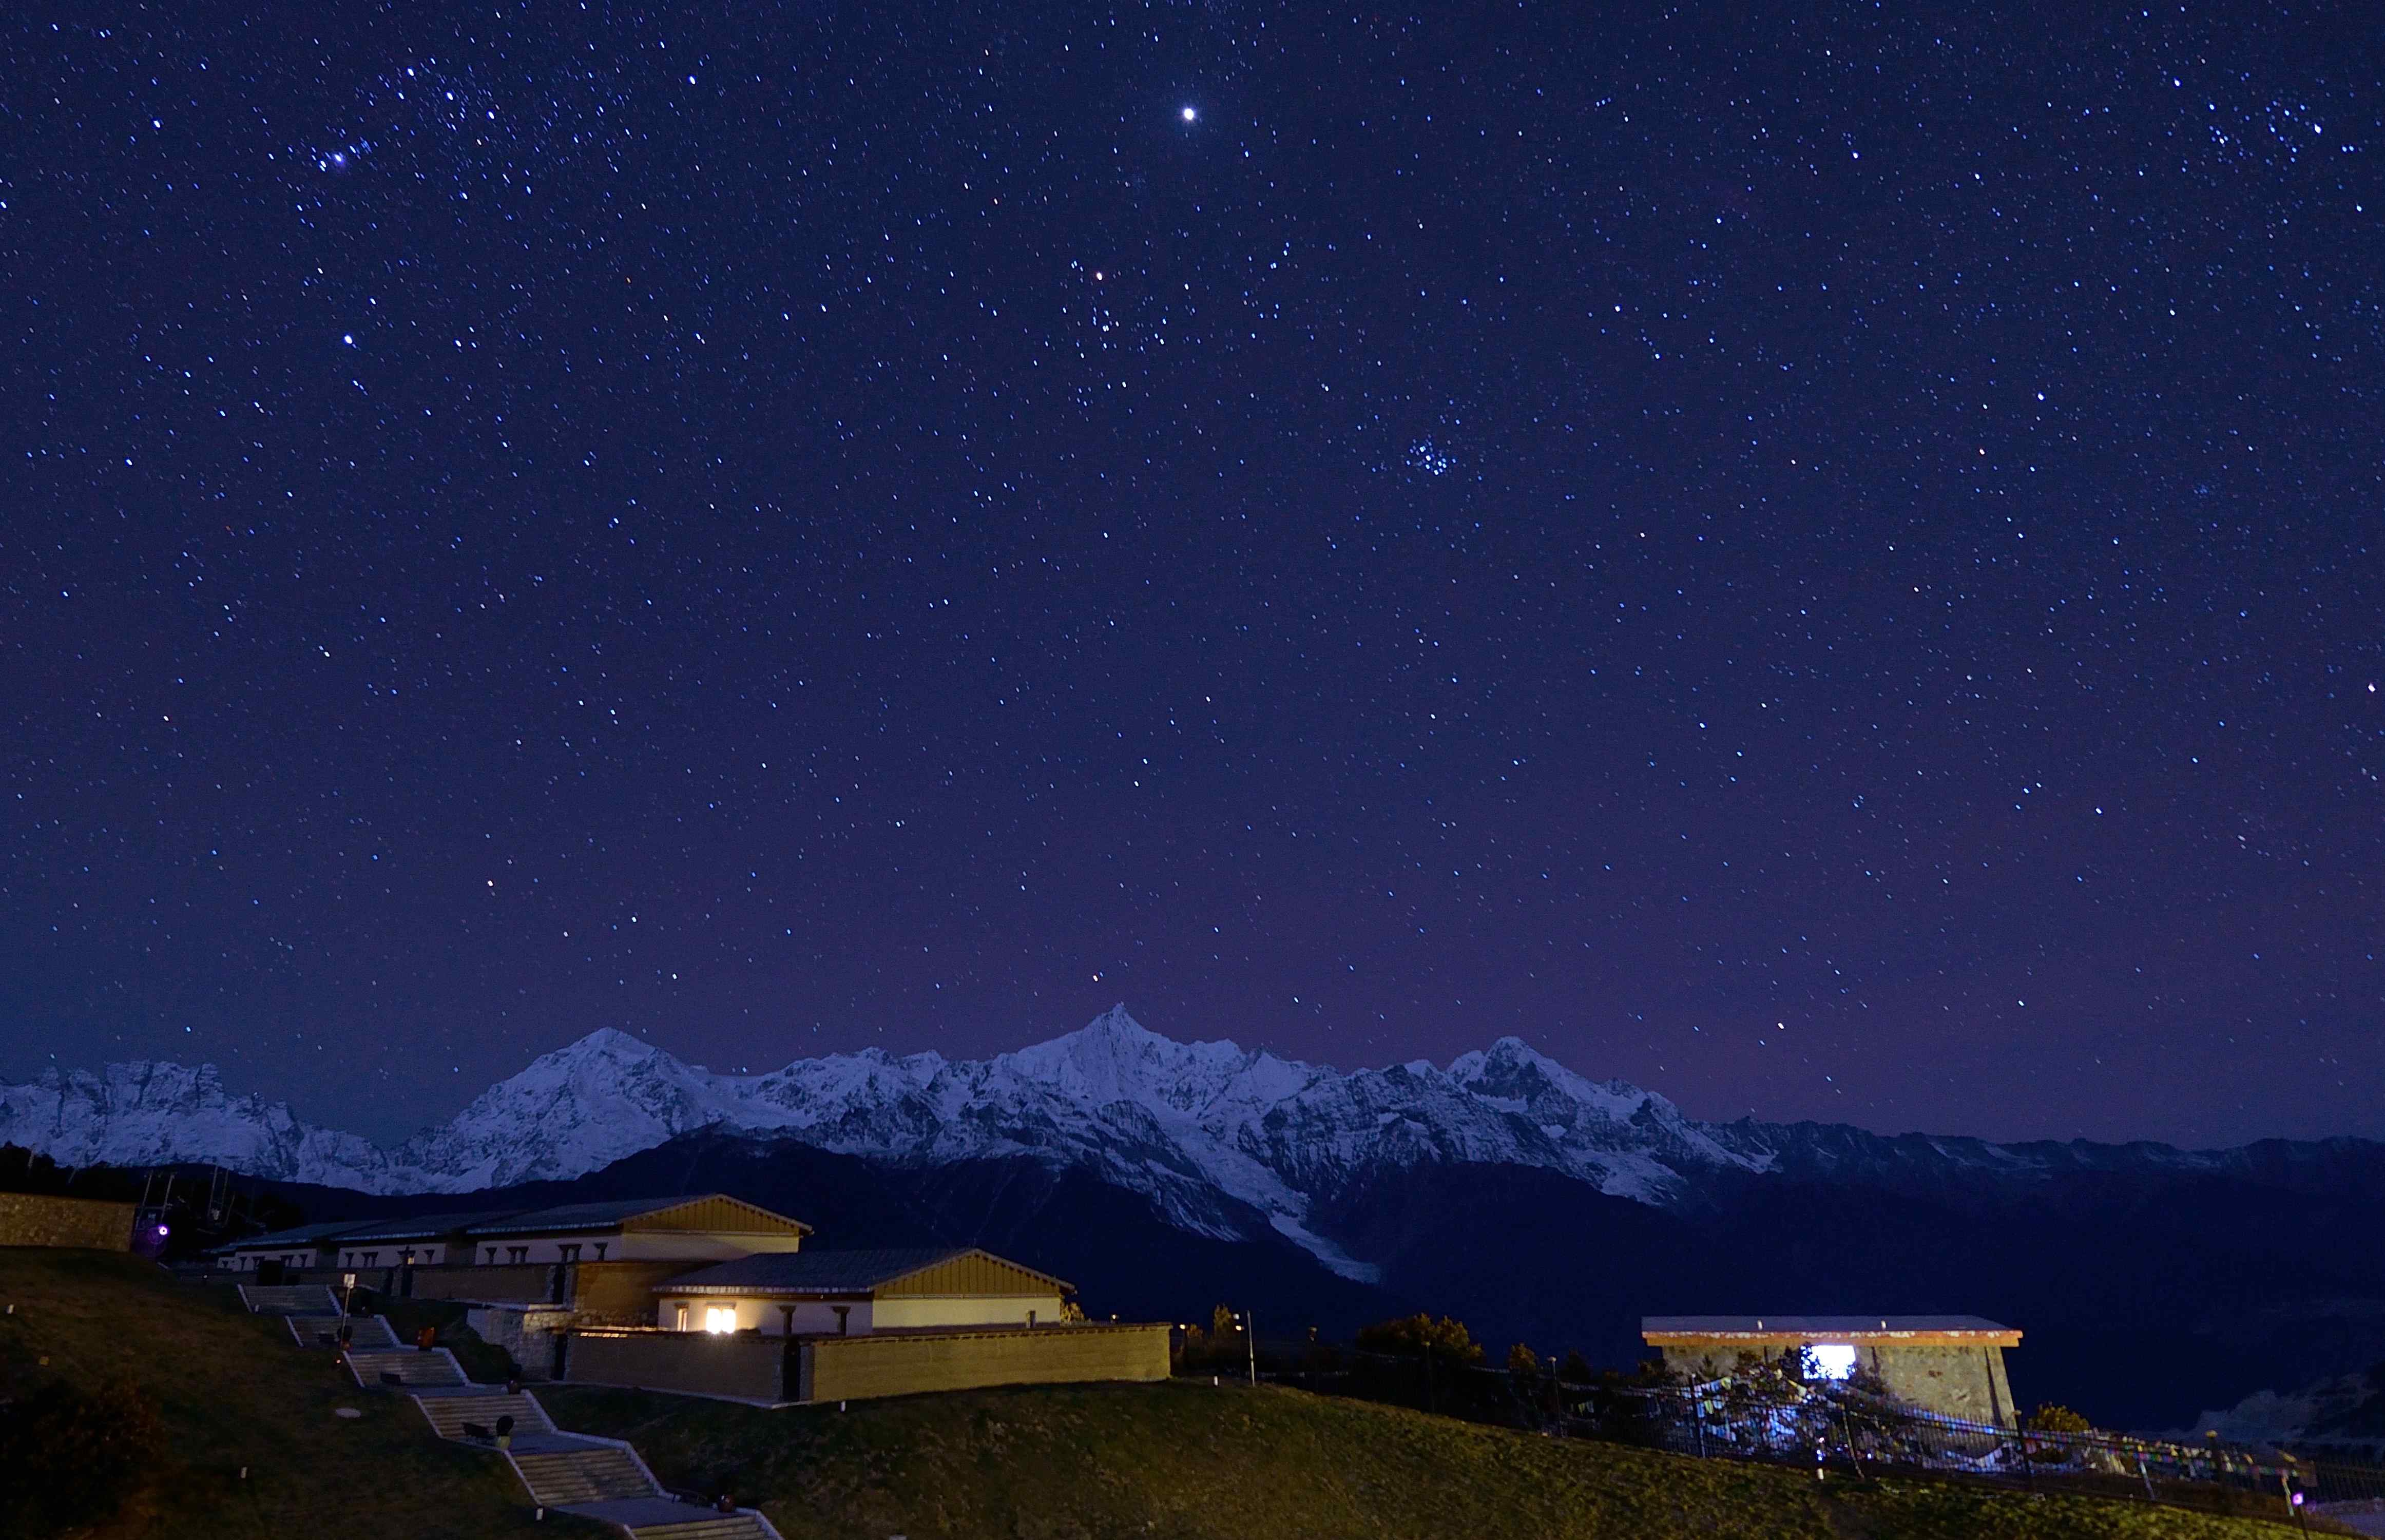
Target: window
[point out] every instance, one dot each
(721, 1318)
(372, 1258)
(567, 1253)
(1830, 1360)
(682, 1317)
(493, 1255)
(599, 1250)
(517, 1253)
(350, 1260)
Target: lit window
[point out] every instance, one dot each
(721, 1318)
(1832, 1360)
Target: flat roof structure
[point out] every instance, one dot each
(423, 1227)
(861, 1271)
(704, 1211)
(296, 1235)
(1763, 1331)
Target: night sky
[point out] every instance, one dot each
(1825, 560)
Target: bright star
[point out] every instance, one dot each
(1189, 115)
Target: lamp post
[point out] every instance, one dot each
(1250, 1343)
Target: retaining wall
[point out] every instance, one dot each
(36, 1219)
(907, 1363)
(741, 1364)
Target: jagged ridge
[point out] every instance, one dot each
(1206, 1131)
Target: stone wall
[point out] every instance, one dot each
(1952, 1380)
(907, 1363)
(528, 1331)
(740, 1365)
(33, 1219)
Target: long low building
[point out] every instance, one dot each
(1950, 1364)
(689, 1229)
(709, 1295)
(855, 1293)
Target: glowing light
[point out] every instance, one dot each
(723, 1319)
(1191, 116)
(1832, 1360)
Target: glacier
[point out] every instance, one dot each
(1208, 1132)
(1218, 1139)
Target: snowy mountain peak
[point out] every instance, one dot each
(1114, 1058)
(608, 1046)
(1210, 1132)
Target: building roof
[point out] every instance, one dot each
(423, 1227)
(837, 1272)
(302, 1235)
(1655, 1329)
(613, 1213)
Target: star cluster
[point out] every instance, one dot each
(1822, 560)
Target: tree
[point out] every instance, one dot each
(1523, 1363)
(2051, 1419)
(1417, 1334)
(1576, 1370)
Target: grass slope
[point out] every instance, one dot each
(1185, 1461)
(234, 1390)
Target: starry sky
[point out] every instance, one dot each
(1823, 559)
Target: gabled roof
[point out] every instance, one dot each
(424, 1227)
(840, 1272)
(1806, 1328)
(615, 1212)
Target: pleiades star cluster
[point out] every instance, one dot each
(1823, 559)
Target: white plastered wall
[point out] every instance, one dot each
(670, 1245)
(767, 1315)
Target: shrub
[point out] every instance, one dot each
(2051, 1419)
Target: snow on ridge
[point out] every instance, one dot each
(1206, 1131)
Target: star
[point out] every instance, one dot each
(1190, 115)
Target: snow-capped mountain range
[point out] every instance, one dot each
(1208, 1132)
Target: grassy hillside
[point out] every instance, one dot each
(1184, 1461)
(233, 1390)
(1179, 1461)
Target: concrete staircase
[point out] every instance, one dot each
(595, 1473)
(289, 1298)
(449, 1413)
(364, 1332)
(413, 1370)
(716, 1526)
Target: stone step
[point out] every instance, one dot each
(717, 1526)
(289, 1299)
(437, 1367)
(583, 1476)
(449, 1413)
(321, 1331)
